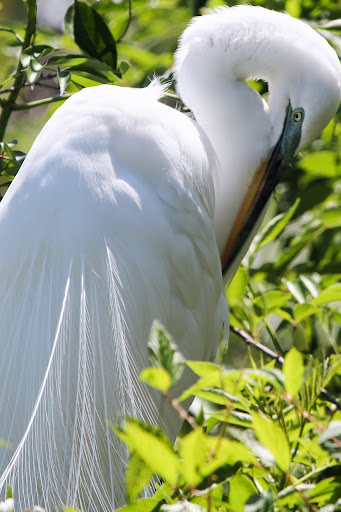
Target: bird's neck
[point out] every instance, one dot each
(235, 119)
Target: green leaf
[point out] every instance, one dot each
(274, 439)
(236, 288)
(330, 294)
(79, 63)
(302, 311)
(142, 505)
(293, 369)
(157, 378)
(90, 32)
(153, 450)
(183, 506)
(321, 163)
(327, 491)
(124, 66)
(193, 452)
(241, 488)
(271, 300)
(331, 217)
(164, 353)
(203, 368)
(293, 7)
(138, 476)
(276, 226)
(225, 452)
(297, 245)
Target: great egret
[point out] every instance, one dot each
(120, 215)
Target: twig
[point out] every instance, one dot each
(312, 507)
(37, 83)
(182, 412)
(259, 346)
(34, 104)
(130, 15)
(29, 35)
(250, 341)
(17, 36)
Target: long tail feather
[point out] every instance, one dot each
(68, 452)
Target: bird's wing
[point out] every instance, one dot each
(107, 226)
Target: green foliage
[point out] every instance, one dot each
(268, 442)
(163, 353)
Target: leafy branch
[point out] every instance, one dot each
(277, 357)
(8, 105)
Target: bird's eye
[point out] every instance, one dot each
(297, 116)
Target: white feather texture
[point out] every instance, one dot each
(115, 219)
(83, 279)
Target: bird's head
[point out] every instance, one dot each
(305, 93)
(305, 86)
(222, 51)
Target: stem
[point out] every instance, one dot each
(130, 15)
(31, 9)
(312, 507)
(182, 412)
(38, 83)
(38, 103)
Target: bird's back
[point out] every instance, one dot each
(107, 226)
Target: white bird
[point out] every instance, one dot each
(123, 212)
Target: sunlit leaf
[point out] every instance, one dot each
(138, 475)
(158, 378)
(142, 505)
(237, 286)
(293, 369)
(330, 294)
(321, 163)
(302, 311)
(153, 450)
(193, 452)
(241, 488)
(183, 506)
(271, 300)
(272, 437)
(293, 7)
(325, 491)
